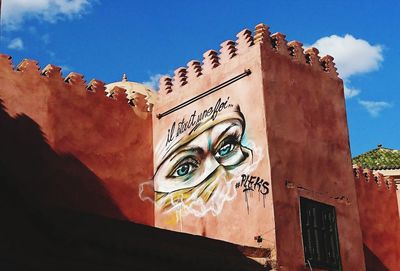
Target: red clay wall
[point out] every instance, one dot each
(231, 165)
(397, 186)
(228, 194)
(380, 223)
(74, 147)
(308, 148)
(295, 112)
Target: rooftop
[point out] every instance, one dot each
(379, 158)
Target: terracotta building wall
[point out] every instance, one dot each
(74, 147)
(308, 147)
(398, 197)
(294, 108)
(379, 219)
(228, 194)
(230, 165)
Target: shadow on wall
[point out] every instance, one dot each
(372, 262)
(44, 178)
(37, 232)
(58, 239)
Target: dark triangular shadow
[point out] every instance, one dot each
(372, 262)
(44, 177)
(40, 229)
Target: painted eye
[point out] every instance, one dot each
(225, 149)
(184, 169)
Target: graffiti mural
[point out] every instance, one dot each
(201, 159)
(211, 166)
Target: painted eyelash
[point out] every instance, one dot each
(233, 138)
(180, 163)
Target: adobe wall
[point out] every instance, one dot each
(380, 223)
(258, 125)
(308, 146)
(398, 197)
(212, 174)
(70, 145)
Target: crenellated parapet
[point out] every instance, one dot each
(143, 100)
(228, 50)
(5, 60)
(52, 71)
(194, 70)
(76, 79)
(181, 76)
(262, 34)
(368, 177)
(28, 65)
(138, 95)
(245, 40)
(96, 85)
(210, 61)
(328, 65)
(95, 149)
(279, 43)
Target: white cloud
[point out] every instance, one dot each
(16, 12)
(154, 81)
(374, 107)
(352, 56)
(350, 92)
(16, 44)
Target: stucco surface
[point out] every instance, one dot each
(380, 222)
(236, 216)
(231, 165)
(308, 147)
(90, 153)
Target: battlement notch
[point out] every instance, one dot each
(212, 59)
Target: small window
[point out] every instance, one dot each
(320, 238)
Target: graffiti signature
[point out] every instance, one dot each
(253, 183)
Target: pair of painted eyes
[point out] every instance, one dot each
(190, 165)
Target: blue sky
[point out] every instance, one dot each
(104, 39)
